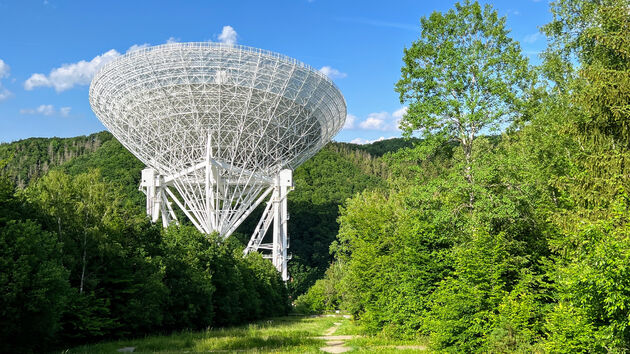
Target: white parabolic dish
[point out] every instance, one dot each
(216, 121)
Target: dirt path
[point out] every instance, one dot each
(335, 344)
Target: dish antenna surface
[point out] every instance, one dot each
(220, 128)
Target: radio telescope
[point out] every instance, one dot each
(220, 128)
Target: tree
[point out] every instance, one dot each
(589, 62)
(462, 77)
(34, 285)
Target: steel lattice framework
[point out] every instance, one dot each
(220, 128)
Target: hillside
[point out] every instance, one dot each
(380, 148)
(30, 158)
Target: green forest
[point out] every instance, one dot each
(499, 223)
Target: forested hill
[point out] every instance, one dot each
(31, 158)
(322, 183)
(381, 147)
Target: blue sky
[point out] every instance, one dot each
(49, 50)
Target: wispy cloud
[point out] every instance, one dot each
(533, 37)
(4, 69)
(362, 141)
(47, 110)
(379, 23)
(350, 119)
(332, 72)
(65, 111)
(380, 121)
(137, 46)
(4, 73)
(4, 94)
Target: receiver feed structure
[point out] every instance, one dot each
(220, 128)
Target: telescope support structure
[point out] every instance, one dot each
(158, 190)
(275, 212)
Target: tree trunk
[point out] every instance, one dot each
(468, 175)
(83, 262)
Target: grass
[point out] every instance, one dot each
(293, 334)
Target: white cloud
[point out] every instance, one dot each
(4, 73)
(65, 111)
(531, 38)
(362, 141)
(4, 94)
(332, 72)
(350, 119)
(400, 112)
(69, 75)
(4, 69)
(47, 110)
(172, 40)
(228, 35)
(383, 121)
(36, 80)
(137, 47)
(374, 121)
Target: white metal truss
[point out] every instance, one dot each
(216, 124)
(275, 212)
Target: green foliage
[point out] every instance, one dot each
(188, 276)
(590, 247)
(513, 243)
(591, 279)
(97, 268)
(110, 251)
(31, 158)
(569, 331)
(464, 306)
(321, 184)
(211, 283)
(393, 260)
(325, 295)
(117, 165)
(463, 75)
(382, 147)
(33, 281)
(518, 319)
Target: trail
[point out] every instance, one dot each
(335, 344)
